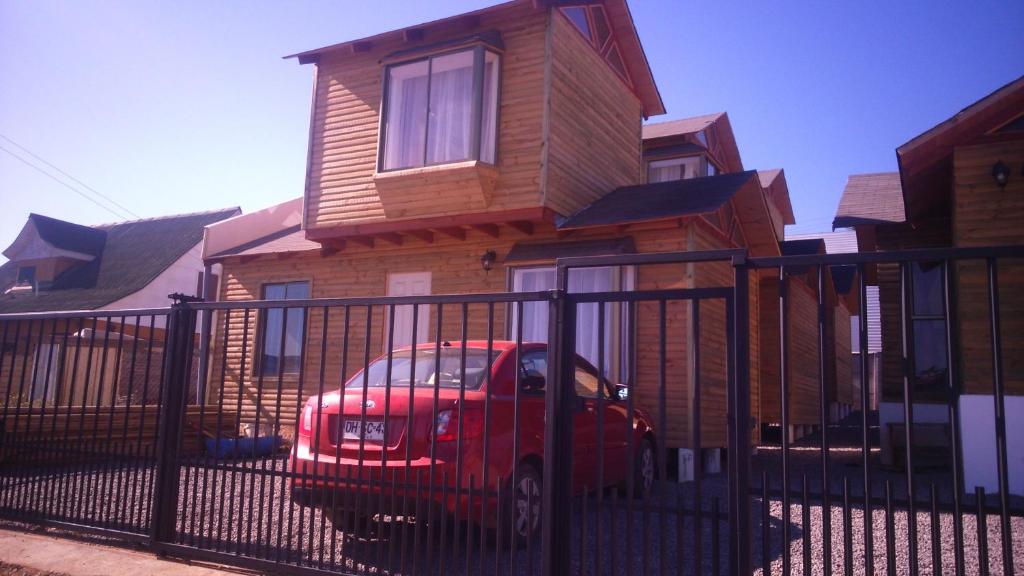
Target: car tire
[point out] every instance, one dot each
(347, 521)
(644, 469)
(526, 491)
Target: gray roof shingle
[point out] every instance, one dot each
(661, 200)
(133, 255)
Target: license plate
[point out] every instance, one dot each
(371, 430)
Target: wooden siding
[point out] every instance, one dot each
(802, 341)
(847, 391)
(118, 430)
(594, 120)
(455, 267)
(985, 215)
(346, 119)
(926, 234)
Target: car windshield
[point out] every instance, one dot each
(451, 374)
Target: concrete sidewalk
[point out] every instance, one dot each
(40, 552)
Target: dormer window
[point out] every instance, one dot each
(681, 168)
(27, 275)
(441, 109)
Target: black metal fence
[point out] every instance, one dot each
(403, 435)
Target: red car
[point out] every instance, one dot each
(339, 464)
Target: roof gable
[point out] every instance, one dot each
(871, 199)
(619, 18)
(926, 163)
(133, 254)
(713, 132)
(774, 183)
(45, 237)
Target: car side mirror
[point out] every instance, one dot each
(532, 382)
(621, 392)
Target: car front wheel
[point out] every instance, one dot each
(526, 503)
(644, 469)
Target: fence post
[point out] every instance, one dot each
(556, 528)
(739, 419)
(175, 380)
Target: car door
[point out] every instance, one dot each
(587, 385)
(533, 382)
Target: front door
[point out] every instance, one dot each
(409, 284)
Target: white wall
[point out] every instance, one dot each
(978, 428)
(181, 276)
(978, 437)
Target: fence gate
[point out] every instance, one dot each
(602, 425)
(78, 442)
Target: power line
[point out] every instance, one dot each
(69, 176)
(63, 183)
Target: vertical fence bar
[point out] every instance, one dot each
(784, 416)
(869, 548)
(826, 479)
(981, 525)
(766, 530)
(175, 377)
(1000, 413)
(847, 529)
(739, 462)
(953, 384)
(890, 531)
(695, 437)
(557, 486)
(909, 379)
(805, 523)
(936, 533)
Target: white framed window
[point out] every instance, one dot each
(287, 324)
(681, 168)
(441, 109)
(45, 373)
(617, 324)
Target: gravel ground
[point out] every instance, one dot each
(14, 570)
(217, 512)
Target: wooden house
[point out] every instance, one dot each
(960, 184)
(98, 363)
(804, 356)
(554, 160)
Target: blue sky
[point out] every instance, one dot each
(187, 106)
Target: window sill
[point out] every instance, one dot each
(436, 190)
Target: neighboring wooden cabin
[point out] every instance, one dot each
(947, 194)
(804, 350)
(556, 165)
(80, 364)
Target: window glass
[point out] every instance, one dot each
(601, 31)
(582, 280)
(534, 366)
(451, 110)
(287, 325)
(616, 63)
(430, 110)
(930, 354)
(674, 169)
(451, 374)
(588, 385)
(407, 115)
(489, 114)
(927, 285)
(578, 16)
(26, 275)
